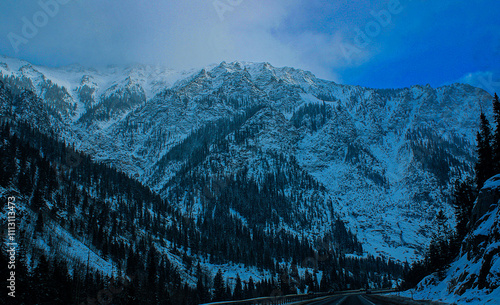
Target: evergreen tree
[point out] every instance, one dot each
(309, 281)
(484, 166)
(443, 230)
(132, 262)
(496, 136)
(238, 289)
(200, 291)
(324, 284)
(228, 294)
(37, 202)
(250, 289)
(42, 279)
(39, 223)
(151, 266)
(463, 201)
(219, 287)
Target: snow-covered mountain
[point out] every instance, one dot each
(380, 159)
(474, 277)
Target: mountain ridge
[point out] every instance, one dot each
(369, 148)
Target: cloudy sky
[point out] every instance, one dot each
(384, 44)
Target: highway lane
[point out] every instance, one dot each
(356, 299)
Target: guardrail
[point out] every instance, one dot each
(276, 300)
(286, 299)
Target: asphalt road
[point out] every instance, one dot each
(356, 299)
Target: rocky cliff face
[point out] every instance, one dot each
(382, 160)
(488, 196)
(474, 278)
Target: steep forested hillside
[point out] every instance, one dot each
(83, 225)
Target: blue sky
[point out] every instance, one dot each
(384, 44)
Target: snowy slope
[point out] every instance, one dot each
(474, 277)
(384, 158)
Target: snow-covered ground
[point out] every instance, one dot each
(474, 277)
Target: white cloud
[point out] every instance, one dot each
(179, 34)
(315, 35)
